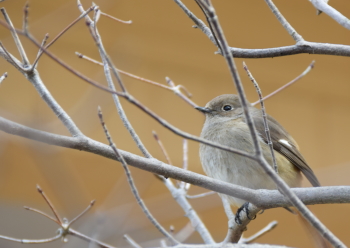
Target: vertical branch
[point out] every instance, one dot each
(263, 111)
(291, 31)
(18, 43)
(107, 65)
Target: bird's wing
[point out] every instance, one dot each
(284, 144)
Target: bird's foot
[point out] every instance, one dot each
(243, 208)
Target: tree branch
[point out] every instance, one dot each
(263, 199)
(321, 5)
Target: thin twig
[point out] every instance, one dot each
(82, 213)
(85, 13)
(131, 241)
(40, 52)
(185, 186)
(53, 209)
(198, 22)
(88, 239)
(11, 59)
(3, 77)
(80, 55)
(264, 116)
(116, 19)
(132, 185)
(25, 17)
(311, 66)
(263, 231)
(18, 43)
(291, 31)
(33, 241)
(176, 90)
(162, 148)
(200, 195)
(43, 214)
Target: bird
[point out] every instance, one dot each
(225, 124)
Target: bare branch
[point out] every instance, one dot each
(53, 209)
(306, 47)
(25, 18)
(263, 231)
(162, 148)
(124, 72)
(299, 48)
(198, 22)
(40, 52)
(235, 231)
(43, 214)
(185, 186)
(200, 195)
(131, 241)
(132, 185)
(34, 241)
(3, 77)
(88, 239)
(116, 19)
(107, 66)
(59, 35)
(82, 213)
(18, 43)
(323, 6)
(264, 199)
(231, 220)
(311, 66)
(264, 116)
(11, 59)
(176, 90)
(291, 31)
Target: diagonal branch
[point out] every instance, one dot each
(264, 199)
(291, 31)
(132, 184)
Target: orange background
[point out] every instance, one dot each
(160, 43)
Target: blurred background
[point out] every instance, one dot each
(161, 42)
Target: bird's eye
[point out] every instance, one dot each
(227, 107)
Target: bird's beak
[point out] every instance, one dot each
(203, 109)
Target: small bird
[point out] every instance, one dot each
(225, 124)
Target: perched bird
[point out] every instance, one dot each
(225, 124)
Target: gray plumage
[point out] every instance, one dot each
(225, 124)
